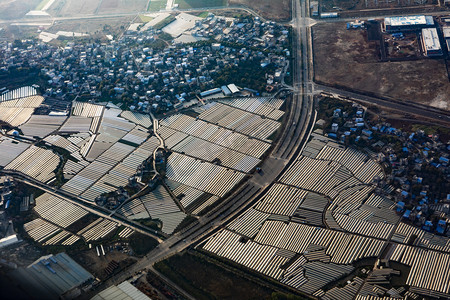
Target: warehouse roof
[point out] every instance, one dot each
(123, 291)
(431, 39)
(446, 32)
(409, 20)
(51, 276)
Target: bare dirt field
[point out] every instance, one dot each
(333, 5)
(67, 8)
(186, 4)
(345, 58)
(94, 27)
(16, 9)
(279, 10)
(122, 6)
(96, 265)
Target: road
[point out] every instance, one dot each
(301, 106)
(404, 107)
(97, 210)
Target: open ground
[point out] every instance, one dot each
(15, 9)
(113, 26)
(344, 58)
(333, 5)
(186, 4)
(208, 280)
(65, 8)
(275, 10)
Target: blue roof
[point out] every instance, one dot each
(406, 214)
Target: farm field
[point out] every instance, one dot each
(274, 10)
(42, 4)
(206, 280)
(333, 5)
(336, 48)
(16, 9)
(69, 8)
(105, 26)
(85, 7)
(157, 5)
(121, 6)
(186, 4)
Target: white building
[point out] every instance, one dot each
(430, 42)
(405, 23)
(12, 239)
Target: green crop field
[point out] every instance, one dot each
(42, 4)
(186, 4)
(157, 5)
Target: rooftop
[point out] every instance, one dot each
(408, 20)
(446, 32)
(51, 276)
(123, 291)
(431, 39)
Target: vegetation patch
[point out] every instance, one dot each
(247, 74)
(184, 4)
(42, 4)
(142, 244)
(156, 5)
(164, 22)
(204, 280)
(145, 18)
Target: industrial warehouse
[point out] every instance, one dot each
(408, 37)
(407, 23)
(424, 26)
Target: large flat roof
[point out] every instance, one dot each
(123, 291)
(408, 20)
(446, 31)
(431, 39)
(51, 276)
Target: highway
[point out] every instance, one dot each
(301, 105)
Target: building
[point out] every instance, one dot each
(430, 42)
(9, 240)
(407, 23)
(314, 8)
(210, 92)
(446, 32)
(123, 291)
(233, 88)
(329, 15)
(51, 277)
(226, 91)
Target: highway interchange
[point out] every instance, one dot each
(301, 117)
